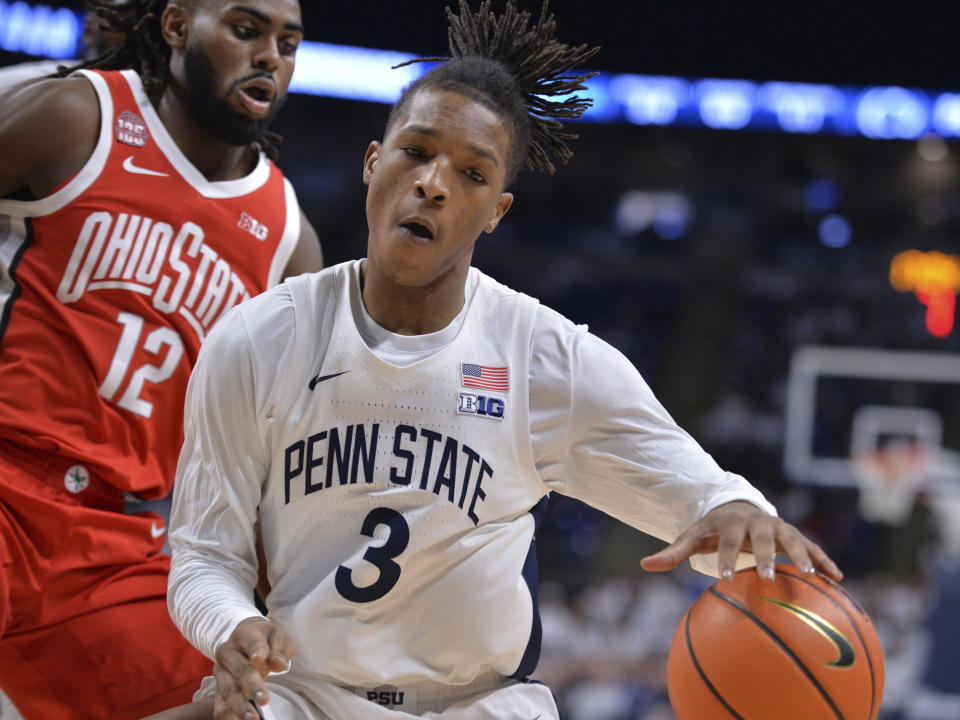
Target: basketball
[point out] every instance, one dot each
(799, 648)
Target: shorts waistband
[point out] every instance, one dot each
(428, 695)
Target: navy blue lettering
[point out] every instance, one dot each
(361, 453)
(351, 452)
(385, 697)
(495, 407)
(289, 471)
(399, 452)
(313, 462)
(431, 437)
(447, 473)
(339, 457)
(478, 491)
(380, 556)
(472, 457)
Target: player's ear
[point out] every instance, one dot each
(370, 161)
(173, 25)
(503, 204)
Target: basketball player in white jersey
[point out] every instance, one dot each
(399, 422)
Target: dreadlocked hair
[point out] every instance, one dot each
(143, 50)
(515, 70)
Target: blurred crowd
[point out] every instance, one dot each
(605, 645)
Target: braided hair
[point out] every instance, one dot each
(144, 50)
(515, 70)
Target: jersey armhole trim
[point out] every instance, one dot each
(290, 237)
(523, 448)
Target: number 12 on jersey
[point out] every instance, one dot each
(123, 355)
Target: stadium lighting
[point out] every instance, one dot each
(355, 73)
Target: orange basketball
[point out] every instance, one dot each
(800, 648)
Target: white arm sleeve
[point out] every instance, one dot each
(600, 435)
(222, 466)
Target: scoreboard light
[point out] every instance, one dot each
(934, 278)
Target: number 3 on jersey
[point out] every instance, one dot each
(129, 342)
(380, 556)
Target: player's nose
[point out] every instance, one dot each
(432, 183)
(266, 54)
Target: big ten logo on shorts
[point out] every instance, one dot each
(131, 130)
(482, 405)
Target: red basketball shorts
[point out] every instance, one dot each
(84, 627)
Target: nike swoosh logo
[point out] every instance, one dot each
(157, 531)
(321, 378)
(846, 655)
(131, 168)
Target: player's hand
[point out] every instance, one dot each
(741, 526)
(255, 649)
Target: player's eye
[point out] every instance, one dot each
(476, 176)
(245, 32)
(287, 47)
(414, 151)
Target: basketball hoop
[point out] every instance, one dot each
(889, 478)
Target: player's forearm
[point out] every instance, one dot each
(207, 600)
(625, 454)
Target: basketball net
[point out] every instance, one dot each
(889, 478)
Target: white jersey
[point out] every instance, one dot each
(399, 502)
(11, 75)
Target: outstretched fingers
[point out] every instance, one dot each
(805, 554)
(763, 544)
(737, 527)
(732, 534)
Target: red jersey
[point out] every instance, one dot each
(108, 286)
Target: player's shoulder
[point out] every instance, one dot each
(266, 312)
(315, 290)
(53, 99)
(256, 334)
(49, 128)
(549, 320)
(549, 325)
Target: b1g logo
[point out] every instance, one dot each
(473, 404)
(253, 226)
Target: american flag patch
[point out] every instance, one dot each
(484, 377)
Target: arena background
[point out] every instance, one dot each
(712, 258)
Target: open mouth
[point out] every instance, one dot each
(257, 95)
(421, 231)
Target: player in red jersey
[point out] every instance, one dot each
(136, 207)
